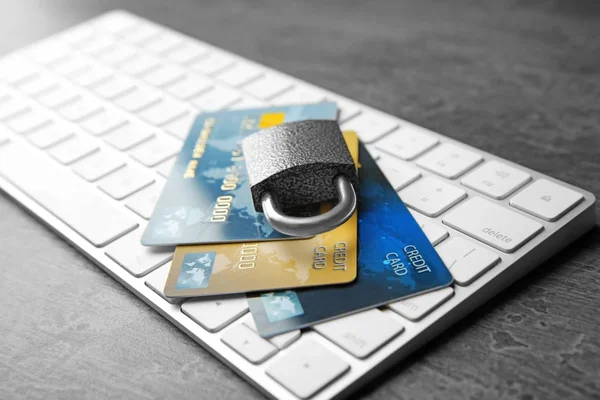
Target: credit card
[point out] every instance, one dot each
(207, 196)
(395, 260)
(216, 269)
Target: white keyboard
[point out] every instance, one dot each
(91, 121)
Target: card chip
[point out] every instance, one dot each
(271, 119)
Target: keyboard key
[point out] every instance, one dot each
(136, 259)
(268, 86)
(141, 33)
(118, 54)
(156, 150)
(15, 69)
(216, 99)
(214, 314)
(115, 22)
(98, 165)
(12, 106)
(213, 62)
(164, 75)
(164, 111)
(140, 64)
(346, 109)
(165, 168)
(124, 182)
(81, 109)
(417, 307)
(376, 154)
(4, 135)
(307, 368)
(239, 74)
(93, 75)
(248, 102)
(466, 260)
(361, 334)
(71, 65)
(29, 121)
(163, 42)
(180, 128)
(50, 135)
(85, 212)
(434, 233)
(186, 53)
(298, 95)
(114, 87)
(128, 136)
(96, 45)
(496, 179)
(138, 99)
(281, 341)
(546, 200)
(190, 86)
(398, 174)
(492, 224)
(59, 97)
(73, 149)
(248, 344)
(77, 34)
(431, 196)
(104, 122)
(47, 51)
(38, 84)
(449, 160)
(142, 203)
(408, 142)
(156, 281)
(370, 126)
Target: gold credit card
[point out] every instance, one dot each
(215, 269)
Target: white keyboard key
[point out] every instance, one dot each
(239, 74)
(85, 212)
(248, 102)
(298, 95)
(74, 149)
(156, 281)
(370, 125)
(50, 135)
(81, 109)
(214, 314)
(376, 154)
(496, 179)
(281, 341)
(417, 307)
(164, 111)
(138, 260)
(214, 62)
(163, 42)
(125, 181)
(361, 334)
(163, 75)
(115, 22)
(546, 200)
(346, 109)
(431, 196)
(466, 260)
(191, 85)
(14, 69)
(114, 87)
(141, 33)
(398, 174)
(104, 122)
(140, 64)
(307, 368)
(93, 75)
(186, 53)
(449, 160)
(96, 45)
(117, 54)
(4, 135)
(47, 52)
(71, 65)
(164, 169)
(248, 344)
(216, 99)
(434, 233)
(180, 128)
(156, 150)
(59, 97)
(98, 165)
(268, 86)
(128, 136)
(492, 224)
(138, 99)
(12, 106)
(29, 121)
(408, 142)
(39, 84)
(76, 34)
(142, 203)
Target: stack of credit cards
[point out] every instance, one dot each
(225, 247)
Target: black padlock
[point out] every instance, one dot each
(298, 164)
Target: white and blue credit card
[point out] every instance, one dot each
(395, 260)
(207, 197)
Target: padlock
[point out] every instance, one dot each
(298, 164)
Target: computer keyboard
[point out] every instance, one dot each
(92, 119)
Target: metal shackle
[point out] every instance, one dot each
(307, 226)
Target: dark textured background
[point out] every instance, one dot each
(520, 79)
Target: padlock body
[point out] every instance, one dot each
(297, 163)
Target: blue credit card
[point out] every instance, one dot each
(395, 260)
(207, 196)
